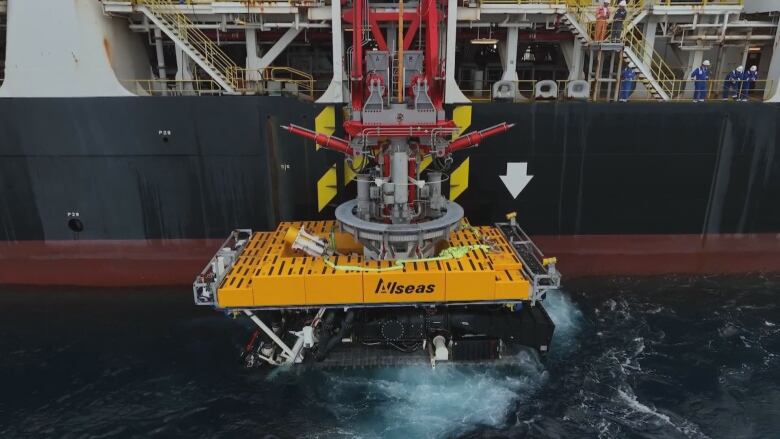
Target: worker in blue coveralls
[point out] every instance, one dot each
(627, 82)
(733, 83)
(701, 75)
(749, 79)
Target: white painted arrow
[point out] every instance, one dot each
(516, 178)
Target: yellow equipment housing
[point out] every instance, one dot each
(268, 273)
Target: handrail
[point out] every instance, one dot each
(659, 69)
(633, 9)
(698, 3)
(592, 3)
(538, 2)
(304, 81)
(288, 74)
(174, 87)
(680, 90)
(247, 2)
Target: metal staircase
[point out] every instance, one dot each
(208, 55)
(574, 23)
(657, 77)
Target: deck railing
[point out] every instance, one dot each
(246, 2)
(173, 87)
(304, 84)
(596, 3)
(540, 2)
(304, 81)
(680, 90)
(698, 2)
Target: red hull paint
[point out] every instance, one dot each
(105, 262)
(587, 255)
(112, 263)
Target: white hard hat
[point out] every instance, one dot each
(753, 68)
(740, 69)
(706, 62)
(606, 2)
(631, 65)
(622, 3)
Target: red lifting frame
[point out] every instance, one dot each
(357, 53)
(427, 13)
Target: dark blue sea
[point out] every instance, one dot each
(670, 357)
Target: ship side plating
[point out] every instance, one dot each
(103, 187)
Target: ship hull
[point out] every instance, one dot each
(155, 184)
(116, 263)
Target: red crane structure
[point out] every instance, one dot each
(398, 274)
(397, 119)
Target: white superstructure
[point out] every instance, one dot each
(494, 49)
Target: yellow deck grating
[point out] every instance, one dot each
(270, 274)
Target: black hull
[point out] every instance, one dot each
(194, 168)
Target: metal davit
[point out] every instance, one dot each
(400, 276)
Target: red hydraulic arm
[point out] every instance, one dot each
(474, 138)
(330, 142)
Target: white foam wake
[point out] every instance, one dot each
(420, 402)
(452, 399)
(568, 321)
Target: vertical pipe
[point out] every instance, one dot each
(599, 77)
(357, 55)
(412, 188)
(401, 87)
(432, 68)
(363, 195)
(611, 72)
(619, 77)
(434, 183)
(399, 173)
(479, 76)
(158, 42)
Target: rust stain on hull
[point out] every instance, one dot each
(107, 49)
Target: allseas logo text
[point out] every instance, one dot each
(396, 288)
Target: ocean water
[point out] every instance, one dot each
(668, 357)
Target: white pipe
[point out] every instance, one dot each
(158, 43)
(400, 173)
(750, 24)
(271, 335)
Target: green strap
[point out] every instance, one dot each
(446, 254)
